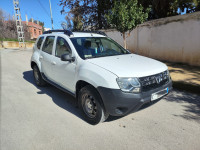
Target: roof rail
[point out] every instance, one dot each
(67, 32)
(97, 32)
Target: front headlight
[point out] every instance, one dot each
(168, 74)
(129, 84)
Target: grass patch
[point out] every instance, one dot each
(15, 40)
(8, 39)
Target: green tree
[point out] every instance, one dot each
(167, 8)
(90, 12)
(74, 17)
(126, 15)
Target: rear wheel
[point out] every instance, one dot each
(37, 76)
(89, 103)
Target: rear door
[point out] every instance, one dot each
(39, 43)
(46, 57)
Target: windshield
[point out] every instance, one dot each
(93, 47)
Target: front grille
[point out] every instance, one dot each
(154, 81)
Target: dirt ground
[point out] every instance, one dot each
(184, 73)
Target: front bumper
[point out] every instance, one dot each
(118, 103)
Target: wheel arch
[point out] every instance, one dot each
(34, 63)
(80, 84)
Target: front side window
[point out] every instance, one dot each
(48, 44)
(93, 47)
(39, 43)
(62, 47)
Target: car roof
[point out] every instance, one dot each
(82, 34)
(75, 34)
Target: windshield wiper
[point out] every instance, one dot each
(97, 56)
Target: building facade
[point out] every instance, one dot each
(34, 29)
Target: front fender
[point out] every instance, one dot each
(97, 76)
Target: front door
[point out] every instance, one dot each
(64, 71)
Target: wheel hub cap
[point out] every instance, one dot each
(90, 106)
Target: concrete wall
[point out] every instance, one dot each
(175, 39)
(12, 44)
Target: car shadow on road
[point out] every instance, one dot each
(60, 98)
(65, 100)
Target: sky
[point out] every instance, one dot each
(38, 9)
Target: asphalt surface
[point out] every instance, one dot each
(46, 118)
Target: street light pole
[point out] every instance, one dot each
(51, 14)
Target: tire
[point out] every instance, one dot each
(89, 103)
(37, 77)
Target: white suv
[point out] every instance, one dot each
(105, 78)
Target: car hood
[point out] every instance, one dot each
(129, 65)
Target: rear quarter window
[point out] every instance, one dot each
(39, 43)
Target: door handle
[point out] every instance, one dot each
(41, 57)
(53, 63)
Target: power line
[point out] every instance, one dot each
(43, 8)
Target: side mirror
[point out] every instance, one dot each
(67, 57)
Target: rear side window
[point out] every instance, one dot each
(62, 47)
(48, 44)
(39, 43)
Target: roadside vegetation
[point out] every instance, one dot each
(91, 14)
(125, 16)
(16, 40)
(8, 29)
(122, 15)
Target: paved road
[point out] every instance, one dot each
(46, 118)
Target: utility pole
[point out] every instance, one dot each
(20, 32)
(51, 14)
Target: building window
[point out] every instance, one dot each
(35, 32)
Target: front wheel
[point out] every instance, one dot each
(89, 103)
